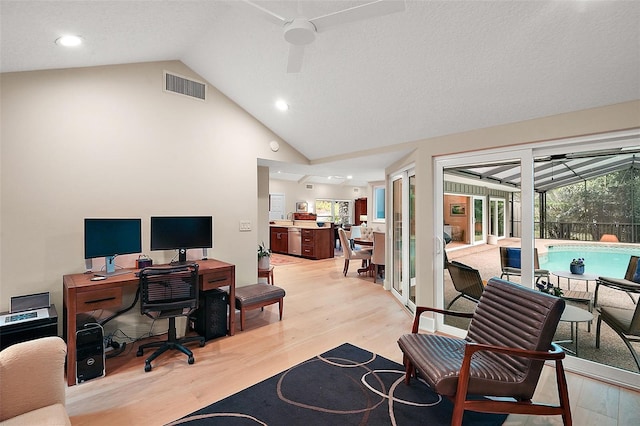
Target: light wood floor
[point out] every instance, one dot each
(322, 310)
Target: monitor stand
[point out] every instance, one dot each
(110, 268)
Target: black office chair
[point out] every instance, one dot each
(169, 292)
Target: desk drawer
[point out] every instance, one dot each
(100, 299)
(215, 279)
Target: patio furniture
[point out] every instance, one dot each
(507, 343)
(574, 315)
(583, 297)
(630, 284)
(510, 263)
(467, 282)
(625, 322)
(571, 276)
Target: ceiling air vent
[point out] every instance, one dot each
(309, 186)
(356, 190)
(183, 86)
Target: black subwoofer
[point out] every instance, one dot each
(210, 319)
(89, 353)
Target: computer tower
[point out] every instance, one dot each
(210, 319)
(89, 353)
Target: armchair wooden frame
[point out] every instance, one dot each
(471, 369)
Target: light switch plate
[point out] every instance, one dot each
(245, 225)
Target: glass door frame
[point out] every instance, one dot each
(406, 176)
(525, 157)
(493, 216)
(484, 221)
(613, 140)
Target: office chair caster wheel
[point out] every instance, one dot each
(202, 344)
(147, 367)
(191, 360)
(139, 353)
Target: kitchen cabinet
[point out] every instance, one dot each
(317, 243)
(279, 242)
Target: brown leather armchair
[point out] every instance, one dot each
(508, 341)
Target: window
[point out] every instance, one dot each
(379, 203)
(337, 211)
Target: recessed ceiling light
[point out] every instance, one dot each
(69, 41)
(349, 177)
(282, 105)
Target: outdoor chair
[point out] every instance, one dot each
(467, 282)
(510, 263)
(508, 340)
(625, 322)
(630, 284)
(349, 253)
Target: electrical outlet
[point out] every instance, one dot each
(245, 225)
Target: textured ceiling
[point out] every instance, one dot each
(438, 67)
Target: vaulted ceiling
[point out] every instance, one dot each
(365, 85)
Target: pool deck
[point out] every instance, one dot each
(486, 257)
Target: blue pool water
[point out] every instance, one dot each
(602, 259)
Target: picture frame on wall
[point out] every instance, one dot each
(301, 207)
(458, 210)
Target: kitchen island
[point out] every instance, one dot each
(302, 238)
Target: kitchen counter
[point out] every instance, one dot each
(302, 238)
(298, 224)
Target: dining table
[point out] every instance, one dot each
(366, 244)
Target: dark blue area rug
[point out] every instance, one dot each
(344, 386)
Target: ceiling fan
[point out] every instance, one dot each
(301, 31)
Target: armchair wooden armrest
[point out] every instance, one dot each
(556, 353)
(422, 309)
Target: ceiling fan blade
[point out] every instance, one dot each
(356, 13)
(296, 55)
(269, 15)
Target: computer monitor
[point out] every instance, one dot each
(109, 238)
(181, 233)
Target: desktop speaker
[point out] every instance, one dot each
(89, 353)
(210, 319)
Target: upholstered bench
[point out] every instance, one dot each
(257, 296)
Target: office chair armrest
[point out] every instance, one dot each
(422, 309)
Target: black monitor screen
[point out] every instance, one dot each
(181, 232)
(111, 237)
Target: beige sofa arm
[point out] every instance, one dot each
(32, 376)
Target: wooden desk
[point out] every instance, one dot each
(80, 294)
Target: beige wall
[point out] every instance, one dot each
(295, 192)
(109, 142)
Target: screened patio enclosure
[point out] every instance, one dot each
(618, 216)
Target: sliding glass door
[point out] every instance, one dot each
(403, 237)
(520, 212)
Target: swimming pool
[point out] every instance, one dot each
(601, 259)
